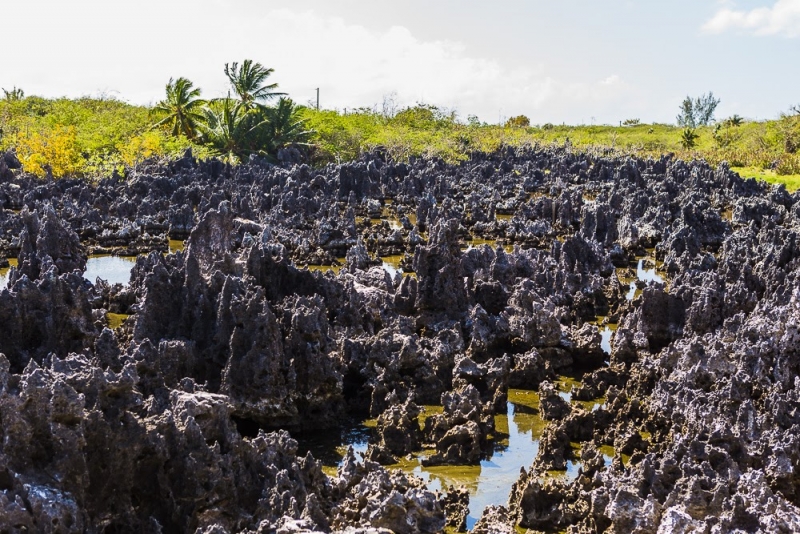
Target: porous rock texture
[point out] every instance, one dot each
(182, 420)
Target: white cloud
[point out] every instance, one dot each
(356, 66)
(783, 18)
(90, 46)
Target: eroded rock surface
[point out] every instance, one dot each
(182, 419)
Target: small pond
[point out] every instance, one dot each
(642, 275)
(112, 269)
(515, 445)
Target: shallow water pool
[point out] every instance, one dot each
(112, 269)
(643, 275)
(515, 445)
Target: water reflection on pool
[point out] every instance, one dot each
(605, 343)
(393, 266)
(642, 275)
(516, 444)
(647, 275)
(499, 473)
(4, 272)
(112, 269)
(489, 483)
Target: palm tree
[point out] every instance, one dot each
(13, 95)
(689, 138)
(182, 108)
(734, 121)
(228, 129)
(248, 82)
(284, 126)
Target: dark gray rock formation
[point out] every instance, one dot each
(180, 420)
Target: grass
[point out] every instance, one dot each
(791, 181)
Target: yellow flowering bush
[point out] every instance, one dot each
(57, 148)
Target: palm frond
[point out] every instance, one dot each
(248, 82)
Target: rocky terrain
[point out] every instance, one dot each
(184, 419)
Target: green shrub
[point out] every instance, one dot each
(788, 164)
(520, 121)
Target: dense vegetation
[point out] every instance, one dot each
(768, 149)
(95, 136)
(85, 136)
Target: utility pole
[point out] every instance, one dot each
(317, 98)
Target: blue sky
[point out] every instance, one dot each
(574, 61)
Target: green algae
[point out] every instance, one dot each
(427, 411)
(526, 415)
(115, 320)
(524, 397)
(392, 265)
(602, 321)
(610, 452)
(370, 423)
(500, 437)
(445, 475)
(175, 245)
(514, 444)
(565, 384)
(330, 470)
(528, 422)
(591, 405)
(455, 475)
(607, 450)
(325, 268)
